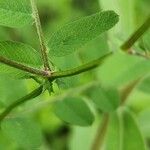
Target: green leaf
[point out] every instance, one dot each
(126, 25)
(20, 53)
(15, 13)
(75, 111)
(76, 34)
(131, 129)
(123, 132)
(144, 86)
(120, 69)
(11, 89)
(106, 100)
(144, 122)
(112, 140)
(6, 143)
(83, 136)
(94, 49)
(23, 132)
(62, 64)
(146, 41)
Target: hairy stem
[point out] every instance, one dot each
(40, 35)
(136, 35)
(20, 101)
(23, 67)
(54, 75)
(100, 134)
(86, 67)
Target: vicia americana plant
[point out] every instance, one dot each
(114, 74)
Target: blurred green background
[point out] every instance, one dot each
(56, 134)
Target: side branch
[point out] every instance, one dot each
(86, 67)
(40, 35)
(23, 67)
(20, 101)
(136, 35)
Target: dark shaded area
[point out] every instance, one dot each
(88, 6)
(59, 139)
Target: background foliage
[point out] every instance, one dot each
(82, 100)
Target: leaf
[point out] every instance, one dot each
(20, 53)
(113, 139)
(15, 13)
(84, 55)
(123, 133)
(83, 136)
(146, 39)
(107, 100)
(144, 122)
(144, 86)
(94, 49)
(62, 64)
(126, 25)
(23, 132)
(120, 69)
(11, 90)
(75, 111)
(131, 129)
(76, 34)
(5, 143)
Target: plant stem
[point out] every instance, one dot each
(126, 91)
(36, 79)
(136, 35)
(86, 67)
(54, 75)
(20, 101)
(23, 67)
(100, 134)
(40, 35)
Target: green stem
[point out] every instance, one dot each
(20, 101)
(36, 79)
(136, 35)
(100, 134)
(127, 90)
(23, 67)
(86, 67)
(40, 35)
(47, 74)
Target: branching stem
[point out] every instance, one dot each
(20, 101)
(40, 35)
(59, 74)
